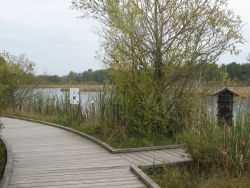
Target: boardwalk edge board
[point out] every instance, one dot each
(171, 164)
(138, 172)
(144, 178)
(97, 141)
(4, 182)
(131, 150)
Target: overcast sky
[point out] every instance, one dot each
(50, 34)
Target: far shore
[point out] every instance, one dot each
(82, 87)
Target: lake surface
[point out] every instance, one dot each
(85, 96)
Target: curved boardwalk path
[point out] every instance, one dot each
(50, 157)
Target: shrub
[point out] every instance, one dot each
(190, 177)
(214, 147)
(142, 115)
(3, 155)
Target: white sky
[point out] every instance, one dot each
(49, 33)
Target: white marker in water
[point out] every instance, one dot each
(74, 95)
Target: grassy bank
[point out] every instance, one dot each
(3, 156)
(191, 177)
(101, 119)
(221, 156)
(117, 138)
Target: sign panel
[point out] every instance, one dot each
(74, 95)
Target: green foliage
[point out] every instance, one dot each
(3, 155)
(155, 51)
(92, 119)
(55, 106)
(221, 155)
(98, 76)
(206, 72)
(203, 141)
(237, 145)
(226, 148)
(86, 77)
(170, 177)
(214, 75)
(141, 114)
(16, 73)
(190, 177)
(1, 85)
(239, 72)
(177, 177)
(227, 74)
(48, 79)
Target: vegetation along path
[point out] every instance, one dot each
(45, 156)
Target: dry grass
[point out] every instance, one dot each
(82, 87)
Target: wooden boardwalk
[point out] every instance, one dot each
(49, 157)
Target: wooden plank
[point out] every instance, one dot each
(120, 184)
(45, 156)
(151, 160)
(136, 160)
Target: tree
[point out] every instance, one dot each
(16, 74)
(210, 74)
(234, 70)
(98, 76)
(154, 48)
(72, 77)
(239, 72)
(1, 85)
(245, 74)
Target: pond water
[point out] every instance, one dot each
(85, 96)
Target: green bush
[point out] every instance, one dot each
(142, 115)
(220, 147)
(236, 146)
(3, 156)
(171, 177)
(190, 177)
(102, 119)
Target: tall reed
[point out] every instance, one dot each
(60, 107)
(213, 146)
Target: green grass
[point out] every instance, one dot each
(2, 158)
(117, 138)
(220, 153)
(103, 119)
(119, 141)
(191, 177)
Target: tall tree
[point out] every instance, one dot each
(154, 46)
(72, 77)
(16, 74)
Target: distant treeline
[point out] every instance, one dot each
(86, 77)
(239, 73)
(233, 72)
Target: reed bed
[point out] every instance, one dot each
(99, 116)
(54, 105)
(220, 152)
